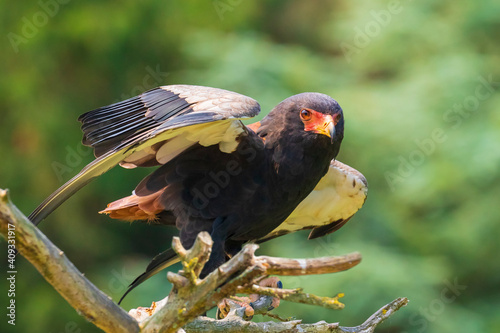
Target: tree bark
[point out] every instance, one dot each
(190, 296)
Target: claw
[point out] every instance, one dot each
(253, 304)
(233, 303)
(261, 301)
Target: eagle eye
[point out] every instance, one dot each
(305, 114)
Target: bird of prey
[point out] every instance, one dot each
(239, 183)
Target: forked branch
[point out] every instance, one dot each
(190, 296)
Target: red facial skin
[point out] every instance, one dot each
(318, 122)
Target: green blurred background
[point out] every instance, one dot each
(416, 80)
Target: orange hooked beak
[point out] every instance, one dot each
(327, 127)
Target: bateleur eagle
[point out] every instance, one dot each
(239, 183)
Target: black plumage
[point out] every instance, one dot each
(238, 183)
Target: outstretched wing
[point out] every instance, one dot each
(334, 200)
(154, 127)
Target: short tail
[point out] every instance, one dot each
(136, 208)
(160, 262)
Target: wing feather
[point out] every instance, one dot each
(91, 171)
(334, 200)
(133, 131)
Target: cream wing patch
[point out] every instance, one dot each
(167, 145)
(338, 196)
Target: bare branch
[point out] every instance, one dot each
(234, 323)
(378, 317)
(284, 266)
(295, 295)
(190, 296)
(55, 267)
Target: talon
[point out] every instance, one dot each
(262, 303)
(253, 304)
(228, 304)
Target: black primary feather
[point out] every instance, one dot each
(114, 130)
(159, 262)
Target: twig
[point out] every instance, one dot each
(56, 268)
(191, 296)
(378, 317)
(323, 265)
(295, 295)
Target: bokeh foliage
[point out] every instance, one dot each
(420, 124)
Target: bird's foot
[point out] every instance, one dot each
(254, 304)
(239, 304)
